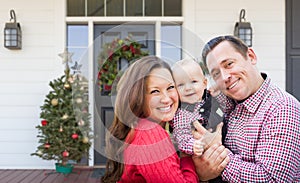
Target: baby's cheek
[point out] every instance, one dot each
(174, 96)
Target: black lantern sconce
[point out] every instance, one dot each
(12, 33)
(243, 30)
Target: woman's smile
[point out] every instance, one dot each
(162, 96)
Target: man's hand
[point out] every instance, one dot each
(212, 162)
(206, 137)
(214, 159)
(212, 138)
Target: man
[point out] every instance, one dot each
(263, 128)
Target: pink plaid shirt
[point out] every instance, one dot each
(182, 127)
(264, 138)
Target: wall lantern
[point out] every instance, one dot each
(243, 30)
(12, 33)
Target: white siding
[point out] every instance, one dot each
(25, 75)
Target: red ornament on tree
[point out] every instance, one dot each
(44, 122)
(75, 136)
(65, 153)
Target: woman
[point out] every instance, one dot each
(138, 148)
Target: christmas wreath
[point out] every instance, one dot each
(110, 57)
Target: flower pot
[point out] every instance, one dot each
(63, 169)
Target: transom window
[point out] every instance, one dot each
(124, 8)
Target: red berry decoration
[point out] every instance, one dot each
(44, 122)
(65, 153)
(107, 87)
(75, 136)
(47, 146)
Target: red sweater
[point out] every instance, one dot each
(151, 157)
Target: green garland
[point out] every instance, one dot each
(111, 54)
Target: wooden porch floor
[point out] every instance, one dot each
(79, 175)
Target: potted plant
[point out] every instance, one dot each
(110, 58)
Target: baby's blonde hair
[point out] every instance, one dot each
(185, 61)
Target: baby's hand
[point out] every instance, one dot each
(198, 147)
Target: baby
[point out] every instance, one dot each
(195, 106)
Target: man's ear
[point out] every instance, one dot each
(252, 56)
(205, 81)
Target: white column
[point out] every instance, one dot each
(158, 38)
(91, 85)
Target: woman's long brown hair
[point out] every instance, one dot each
(128, 108)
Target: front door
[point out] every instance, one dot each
(104, 111)
(293, 47)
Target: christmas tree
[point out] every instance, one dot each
(64, 132)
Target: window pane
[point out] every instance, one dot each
(13, 43)
(75, 7)
(95, 8)
(77, 42)
(153, 8)
(77, 35)
(13, 37)
(7, 31)
(171, 42)
(134, 8)
(172, 7)
(114, 8)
